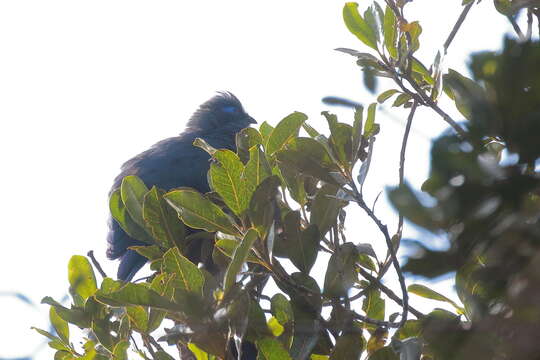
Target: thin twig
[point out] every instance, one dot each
(377, 322)
(529, 23)
(384, 230)
(457, 25)
(516, 28)
(432, 104)
(90, 254)
(137, 347)
(155, 343)
(388, 292)
(403, 151)
(404, 141)
(146, 342)
(536, 13)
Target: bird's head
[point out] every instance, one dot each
(223, 112)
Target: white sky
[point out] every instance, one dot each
(84, 86)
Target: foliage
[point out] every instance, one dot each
(284, 196)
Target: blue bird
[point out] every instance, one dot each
(175, 162)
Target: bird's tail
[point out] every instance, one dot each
(130, 263)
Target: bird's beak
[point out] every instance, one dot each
(251, 120)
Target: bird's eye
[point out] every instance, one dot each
(230, 109)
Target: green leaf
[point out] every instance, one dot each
(310, 130)
(188, 275)
(257, 169)
(340, 274)
(228, 246)
(390, 32)
(281, 309)
(284, 131)
(349, 345)
(162, 221)
(302, 247)
(419, 68)
(120, 350)
(308, 156)
(74, 316)
(52, 338)
(152, 252)
(385, 353)
(136, 294)
(138, 318)
(465, 91)
(427, 293)
(404, 199)
(325, 208)
(340, 140)
(245, 140)
(370, 17)
(122, 217)
(294, 182)
(132, 191)
(414, 29)
(60, 325)
(102, 329)
(373, 305)
(81, 277)
(198, 352)
(266, 129)
(358, 26)
(504, 7)
(262, 204)
(401, 99)
(63, 355)
(307, 331)
(371, 128)
(198, 212)
(239, 258)
(411, 328)
(272, 349)
(225, 178)
(386, 95)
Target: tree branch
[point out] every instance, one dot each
(457, 25)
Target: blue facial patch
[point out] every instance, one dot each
(229, 109)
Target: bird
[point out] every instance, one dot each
(175, 162)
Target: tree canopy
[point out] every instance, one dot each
(284, 195)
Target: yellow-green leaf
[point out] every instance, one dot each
(81, 277)
(358, 26)
(198, 212)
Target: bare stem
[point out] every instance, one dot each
(516, 27)
(401, 181)
(90, 254)
(388, 292)
(457, 25)
(402, 155)
(529, 23)
(384, 230)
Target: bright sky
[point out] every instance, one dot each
(84, 86)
